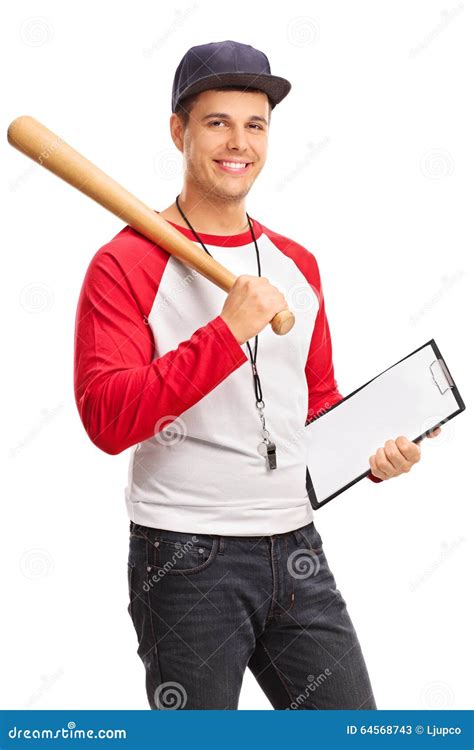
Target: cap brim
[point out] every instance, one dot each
(275, 87)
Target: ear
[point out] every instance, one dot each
(177, 131)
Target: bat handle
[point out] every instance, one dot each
(282, 322)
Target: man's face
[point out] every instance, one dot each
(225, 126)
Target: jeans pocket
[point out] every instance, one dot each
(180, 553)
(312, 538)
(311, 558)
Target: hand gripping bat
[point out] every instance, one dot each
(49, 150)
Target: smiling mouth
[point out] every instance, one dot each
(233, 167)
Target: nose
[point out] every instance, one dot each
(237, 140)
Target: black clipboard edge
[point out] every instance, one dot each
(454, 388)
(311, 494)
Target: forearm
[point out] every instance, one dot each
(124, 407)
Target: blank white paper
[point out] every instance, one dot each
(403, 400)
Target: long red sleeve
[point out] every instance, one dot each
(322, 385)
(121, 390)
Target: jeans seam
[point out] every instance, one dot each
(274, 587)
(132, 595)
(152, 626)
(277, 672)
(292, 592)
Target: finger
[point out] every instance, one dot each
(434, 433)
(374, 468)
(396, 457)
(411, 451)
(383, 464)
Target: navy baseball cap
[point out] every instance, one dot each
(221, 64)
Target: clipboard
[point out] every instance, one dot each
(412, 398)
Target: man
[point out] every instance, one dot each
(226, 568)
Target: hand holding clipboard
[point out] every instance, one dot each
(397, 456)
(412, 398)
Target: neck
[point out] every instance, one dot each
(208, 214)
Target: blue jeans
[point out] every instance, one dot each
(205, 607)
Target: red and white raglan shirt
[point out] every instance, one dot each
(156, 369)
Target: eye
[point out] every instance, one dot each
(252, 124)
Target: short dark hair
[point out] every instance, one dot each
(184, 107)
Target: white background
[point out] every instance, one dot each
(370, 167)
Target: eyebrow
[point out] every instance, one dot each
(225, 116)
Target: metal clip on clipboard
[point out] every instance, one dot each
(442, 374)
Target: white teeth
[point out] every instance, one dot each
(233, 165)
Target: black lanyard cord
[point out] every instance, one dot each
(253, 357)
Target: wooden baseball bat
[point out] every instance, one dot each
(46, 148)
